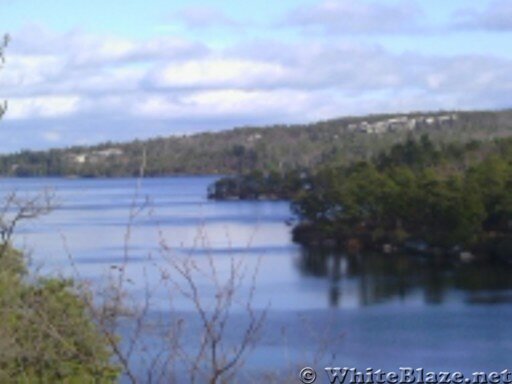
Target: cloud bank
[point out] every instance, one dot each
(357, 17)
(496, 16)
(77, 87)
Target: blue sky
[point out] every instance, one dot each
(85, 72)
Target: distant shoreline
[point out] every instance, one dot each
(239, 151)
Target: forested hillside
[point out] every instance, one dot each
(275, 148)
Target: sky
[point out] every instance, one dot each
(86, 72)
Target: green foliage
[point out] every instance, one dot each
(258, 185)
(47, 334)
(415, 191)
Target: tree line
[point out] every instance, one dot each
(241, 151)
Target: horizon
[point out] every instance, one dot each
(91, 73)
(266, 126)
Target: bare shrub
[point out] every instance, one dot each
(215, 359)
(214, 354)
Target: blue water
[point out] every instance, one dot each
(362, 311)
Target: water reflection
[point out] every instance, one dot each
(377, 278)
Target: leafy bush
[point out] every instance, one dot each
(47, 334)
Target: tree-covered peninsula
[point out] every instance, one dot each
(444, 199)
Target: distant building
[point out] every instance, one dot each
(403, 123)
(95, 156)
(108, 152)
(254, 137)
(79, 158)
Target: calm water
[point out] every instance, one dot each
(370, 311)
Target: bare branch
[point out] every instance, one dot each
(15, 210)
(3, 44)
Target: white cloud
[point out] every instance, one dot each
(224, 104)
(347, 16)
(77, 48)
(497, 16)
(227, 73)
(23, 70)
(42, 107)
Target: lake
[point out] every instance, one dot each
(368, 311)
